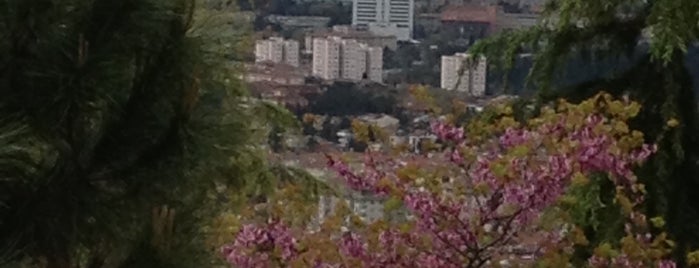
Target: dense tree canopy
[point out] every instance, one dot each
(658, 33)
(346, 98)
(111, 110)
(498, 191)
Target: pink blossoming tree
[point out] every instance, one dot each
(498, 195)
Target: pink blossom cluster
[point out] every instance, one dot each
(255, 246)
(594, 154)
(353, 246)
(448, 132)
(518, 189)
(514, 137)
(367, 182)
(537, 181)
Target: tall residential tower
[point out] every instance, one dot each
(385, 17)
(463, 73)
(277, 50)
(337, 58)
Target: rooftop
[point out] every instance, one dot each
(470, 13)
(346, 32)
(276, 69)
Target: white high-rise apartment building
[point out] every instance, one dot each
(353, 60)
(337, 58)
(326, 58)
(460, 72)
(385, 17)
(292, 49)
(269, 50)
(374, 64)
(278, 50)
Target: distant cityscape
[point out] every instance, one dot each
(331, 74)
(380, 30)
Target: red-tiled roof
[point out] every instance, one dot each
(470, 13)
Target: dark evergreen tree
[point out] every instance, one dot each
(110, 111)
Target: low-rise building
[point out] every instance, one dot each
(279, 73)
(416, 142)
(469, 22)
(299, 22)
(390, 29)
(369, 208)
(385, 122)
(478, 21)
(293, 97)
